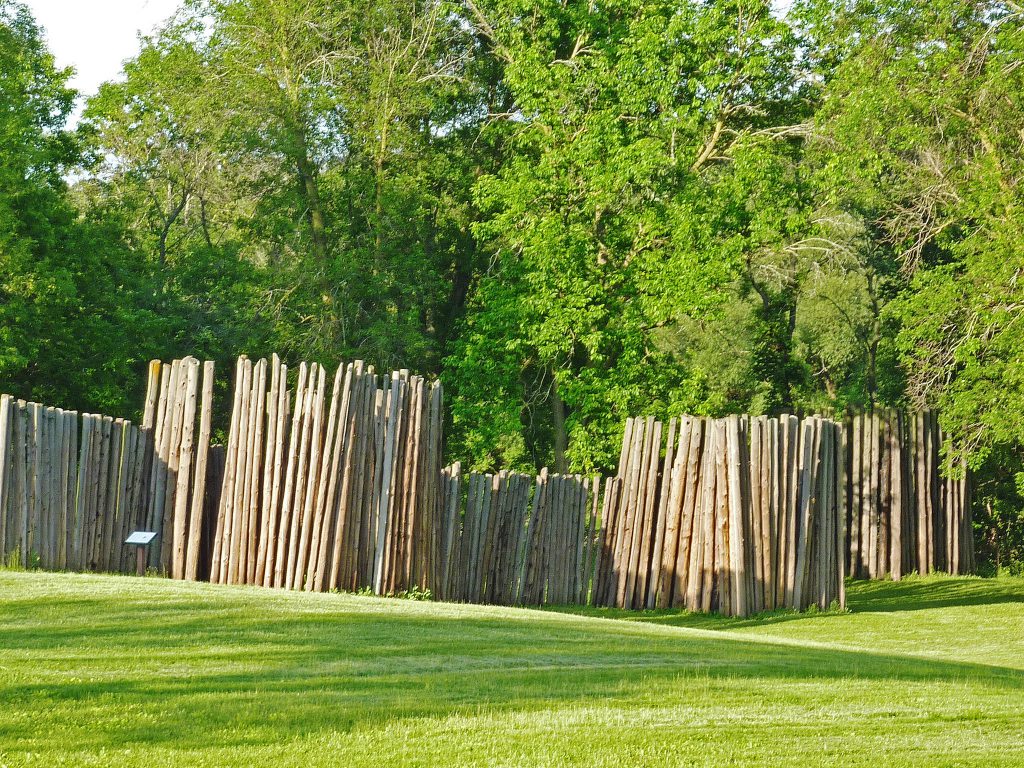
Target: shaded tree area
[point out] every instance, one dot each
(571, 212)
(70, 289)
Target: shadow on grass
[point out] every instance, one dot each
(913, 593)
(673, 617)
(224, 669)
(936, 591)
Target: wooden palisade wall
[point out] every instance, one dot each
(341, 487)
(178, 413)
(516, 539)
(330, 489)
(903, 513)
(736, 515)
(733, 515)
(72, 487)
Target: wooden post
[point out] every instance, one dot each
(737, 566)
(387, 489)
(643, 531)
(5, 472)
(301, 474)
(841, 548)
(285, 523)
(808, 471)
(921, 487)
(896, 496)
(184, 468)
(315, 446)
(222, 537)
(884, 491)
(677, 532)
(660, 522)
(277, 459)
(172, 445)
(690, 537)
(199, 486)
(236, 504)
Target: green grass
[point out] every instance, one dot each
(118, 671)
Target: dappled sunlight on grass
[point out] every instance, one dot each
(163, 673)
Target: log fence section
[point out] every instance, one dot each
(904, 514)
(516, 539)
(336, 483)
(338, 489)
(70, 487)
(73, 486)
(179, 394)
(736, 515)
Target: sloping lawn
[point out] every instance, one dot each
(119, 671)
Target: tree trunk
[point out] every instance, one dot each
(310, 188)
(773, 354)
(165, 230)
(558, 421)
(871, 377)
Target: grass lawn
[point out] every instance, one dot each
(119, 671)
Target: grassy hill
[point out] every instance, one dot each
(119, 671)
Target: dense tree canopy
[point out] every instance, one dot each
(69, 289)
(570, 211)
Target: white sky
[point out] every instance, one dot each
(96, 36)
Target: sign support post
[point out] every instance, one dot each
(141, 540)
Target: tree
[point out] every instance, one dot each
(321, 144)
(921, 118)
(611, 222)
(69, 322)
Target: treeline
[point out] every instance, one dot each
(571, 212)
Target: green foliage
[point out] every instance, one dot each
(72, 309)
(999, 512)
(570, 212)
(612, 219)
(920, 123)
(13, 560)
(303, 161)
(928, 117)
(413, 593)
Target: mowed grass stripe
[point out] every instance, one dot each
(101, 670)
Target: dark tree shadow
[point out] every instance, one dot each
(910, 594)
